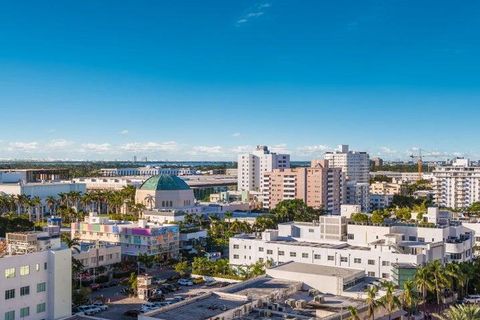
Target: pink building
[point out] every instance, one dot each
(319, 186)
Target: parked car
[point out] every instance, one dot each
(185, 282)
(94, 286)
(198, 280)
(131, 313)
(89, 310)
(102, 306)
(474, 298)
(157, 298)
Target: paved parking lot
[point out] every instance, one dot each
(119, 303)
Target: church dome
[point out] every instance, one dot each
(164, 182)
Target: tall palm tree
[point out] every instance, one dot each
(371, 301)
(390, 299)
(36, 202)
(438, 278)
(51, 203)
(149, 199)
(422, 282)
(409, 297)
(353, 313)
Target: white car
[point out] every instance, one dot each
(89, 310)
(102, 306)
(185, 282)
(474, 298)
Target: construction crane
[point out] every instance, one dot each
(419, 162)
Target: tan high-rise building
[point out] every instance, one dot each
(319, 186)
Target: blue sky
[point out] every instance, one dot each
(182, 80)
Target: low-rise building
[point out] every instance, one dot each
(134, 237)
(371, 248)
(382, 187)
(93, 255)
(36, 277)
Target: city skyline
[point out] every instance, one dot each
(206, 81)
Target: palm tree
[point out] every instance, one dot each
(409, 297)
(149, 199)
(422, 282)
(461, 312)
(371, 301)
(51, 203)
(390, 300)
(438, 278)
(468, 272)
(353, 313)
(36, 202)
(71, 243)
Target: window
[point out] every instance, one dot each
(412, 238)
(371, 274)
(330, 258)
(24, 291)
(269, 251)
(371, 262)
(10, 315)
(37, 267)
(316, 256)
(236, 246)
(385, 275)
(260, 249)
(260, 259)
(41, 307)
(350, 236)
(385, 263)
(293, 254)
(235, 256)
(281, 253)
(10, 273)
(357, 260)
(311, 230)
(9, 294)
(45, 266)
(25, 270)
(420, 239)
(24, 312)
(343, 259)
(41, 287)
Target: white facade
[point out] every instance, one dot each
(252, 166)
(109, 183)
(42, 190)
(94, 255)
(355, 165)
(456, 186)
(146, 171)
(373, 249)
(37, 285)
(380, 201)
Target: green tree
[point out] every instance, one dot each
(371, 301)
(390, 300)
(461, 312)
(295, 210)
(183, 268)
(359, 217)
(353, 313)
(409, 297)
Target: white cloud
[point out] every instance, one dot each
(22, 146)
(320, 148)
(387, 151)
(207, 149)
(241, 149)
(97, 147)
(279, 148)
(150, 146)
(124, 132)
(254, 12)
(236, 134)
(58, 143)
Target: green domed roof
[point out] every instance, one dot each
(164, 182)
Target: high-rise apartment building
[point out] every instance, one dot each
(252, 167)
(457, 185)
(354, 164)
(319, 186)
(35, 277)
